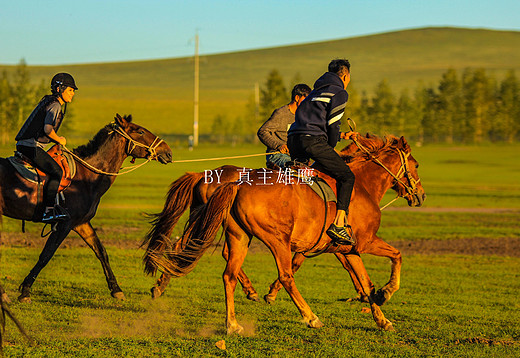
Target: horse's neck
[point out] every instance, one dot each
(109, 157)
(375, 178)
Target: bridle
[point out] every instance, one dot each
(132, 144)
(403, 172)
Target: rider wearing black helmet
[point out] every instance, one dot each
(41, 128)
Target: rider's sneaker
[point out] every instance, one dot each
(341, 235)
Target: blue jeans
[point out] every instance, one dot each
(279, 159)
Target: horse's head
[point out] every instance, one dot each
(141, 142)
(407, 183)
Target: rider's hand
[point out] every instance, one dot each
(62, 140)
(349, 135)
(283, 149)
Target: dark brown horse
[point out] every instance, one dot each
(100, 160)
(295, 224)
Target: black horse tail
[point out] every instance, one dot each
(178, 199)
(200, 233)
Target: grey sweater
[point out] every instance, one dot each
(273, 133)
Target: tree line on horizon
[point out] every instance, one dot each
(471, 107)
(468, 108)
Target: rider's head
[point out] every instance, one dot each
(341, 67)
(63, 86)
(299, 92)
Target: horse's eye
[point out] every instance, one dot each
(141, 132)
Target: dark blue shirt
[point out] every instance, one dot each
(320, 113)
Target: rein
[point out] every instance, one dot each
(132, 144)
(403, 171)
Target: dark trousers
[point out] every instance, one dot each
(46, 164)
(303, 148)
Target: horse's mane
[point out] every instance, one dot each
(101, 137)
(374, 144)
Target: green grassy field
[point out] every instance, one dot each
(160, 92)
(448, 305)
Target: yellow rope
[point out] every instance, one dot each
(99, 171)
(222, 158)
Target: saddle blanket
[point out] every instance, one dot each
(29, 172)
(320, 187)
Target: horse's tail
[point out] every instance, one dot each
(200, 233)
(178, 199)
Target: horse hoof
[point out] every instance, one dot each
(5, 298)
(389, 327)
(24, 299)
(315, 323)
(269, 299)
(235, 329)
(380, 297)
(156, 293)
(119, 295)
(362, 299)
(253, 297)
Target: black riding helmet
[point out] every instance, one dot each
(62, 80)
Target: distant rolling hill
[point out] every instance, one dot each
(159, 92)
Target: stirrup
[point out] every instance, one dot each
(341, 235)
(56, 214)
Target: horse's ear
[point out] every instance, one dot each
(403, 144)
(121, 121)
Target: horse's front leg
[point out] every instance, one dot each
(381, 248)
(359, 270)
(361, 297)
(88, 234)
(276, 286)
(51, 245)
(247, 285)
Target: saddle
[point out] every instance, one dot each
(26, 169)
(319, 182)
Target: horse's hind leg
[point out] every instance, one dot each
(381, 248)
(358, 269)
(88, 234)
(237, 243)
(276, 286)
(247, 286)
(160, 285)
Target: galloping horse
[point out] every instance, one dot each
(194, 189)
(295, 224)
(100, 160)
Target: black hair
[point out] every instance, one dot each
(339, 66)
(301, 89)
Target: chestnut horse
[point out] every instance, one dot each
(294, 225)
(194, 189)
(97, 163)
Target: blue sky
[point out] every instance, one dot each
(68, 32)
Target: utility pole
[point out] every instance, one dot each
(196, 95)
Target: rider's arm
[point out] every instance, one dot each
(267, 131)
(49, 132)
